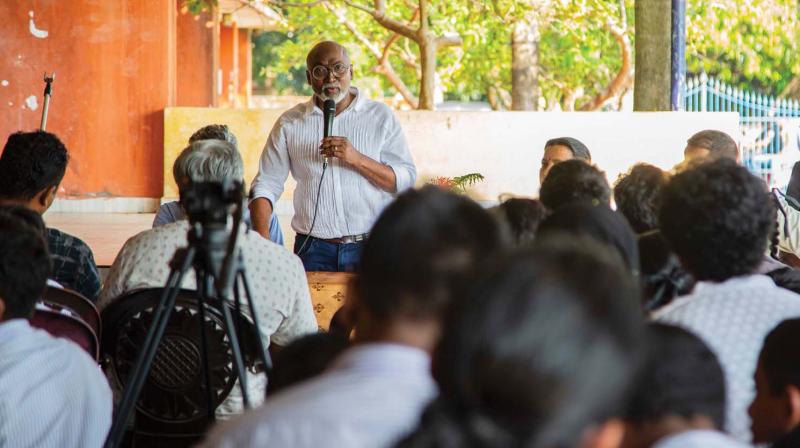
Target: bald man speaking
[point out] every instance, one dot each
(369, 162)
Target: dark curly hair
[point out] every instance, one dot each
(31, 162)
(574, 181)
(636, 195)
(522, 218)
(717, 217)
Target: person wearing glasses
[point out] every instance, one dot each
(369, 163)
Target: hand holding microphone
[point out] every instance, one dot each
(339, 147)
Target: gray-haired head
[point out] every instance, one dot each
(215, 132)
(208, 161)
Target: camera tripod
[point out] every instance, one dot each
(219, 268)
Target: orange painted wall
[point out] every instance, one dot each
(245, 61)
(114, 62)
(227, 63)
(195, 59)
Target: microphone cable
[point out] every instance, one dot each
(316, 207)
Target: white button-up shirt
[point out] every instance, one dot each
(349, 204)
(371, 396)
(52, 394)
(698, 438)
(733, 318)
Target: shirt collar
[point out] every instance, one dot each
(12, 328)
(384, 357)
(357, 104)
(745, 281)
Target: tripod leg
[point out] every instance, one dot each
(203, 287)
(237, 354)
(262, 350)
(148, 352)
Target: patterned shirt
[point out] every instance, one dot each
(733, 318)
(371, 396)
(73, 264)
(349, 203)
(52, 394)
(276, 277)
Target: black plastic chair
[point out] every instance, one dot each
(172, 407)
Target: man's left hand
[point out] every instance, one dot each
(341, 148)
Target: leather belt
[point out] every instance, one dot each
(349, 239)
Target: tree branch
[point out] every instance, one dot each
(624, 76)
(379, 14)
(449, 41)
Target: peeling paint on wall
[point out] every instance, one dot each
(32, 102)
(36, 32)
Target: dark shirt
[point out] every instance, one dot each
(791, 440)
(73, 264)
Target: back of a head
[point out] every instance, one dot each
(597, 222)
(522, 218)
(30, 163)
(662, 276)
(208, 161)
(718, 144)
(424, 245)
(214, 132)
(680, 377)
(541, 349)
(779, 358)
(578, 149)
(717, 217)
(574, 181)
(305, 358)
(24, 263)
(636, 195)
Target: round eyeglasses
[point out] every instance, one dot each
(322, 71)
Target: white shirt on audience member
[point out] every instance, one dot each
(52, 394)
(733, 318)
(276, 277)
(699, 438)
(371, 396)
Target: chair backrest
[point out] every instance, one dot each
(62, 322)
(174, 393)
(77, 303)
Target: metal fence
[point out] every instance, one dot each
(769, 126)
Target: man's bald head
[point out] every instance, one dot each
(323, 49)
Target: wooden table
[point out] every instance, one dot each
(328, 292)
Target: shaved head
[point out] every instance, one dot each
(322, 49)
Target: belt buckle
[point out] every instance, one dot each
(350, 239)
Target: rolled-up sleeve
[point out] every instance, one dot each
(273, 167)
(396, 155)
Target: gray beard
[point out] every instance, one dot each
(336, 99)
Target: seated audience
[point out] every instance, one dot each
(636, 195)
(679, 397)
(521, 217)
(276, 276)
(172, 211)
(574, 181)
(598, 223)
(304, 358)
(539, 354)
(711, 144)
(31, 169)
(424, 246)
(662, 276)
(775, 411)
(718, 217)
(557, 150)
(52, 394)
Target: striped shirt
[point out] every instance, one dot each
(52, 394)
(370, 397)
(349, 203)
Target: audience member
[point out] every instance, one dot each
(718, 218)
(31, 169)
(304, 358)
(775, 411)
(599, 223)
(663, 278)
(522, 218)
(277, 279)
(557, 150)
(172, 211)
(424, 246)
(574, 181)
(787, 278)
(712, 144)
(52, 394)
(679, 397)
(636, 195)
(539, 354)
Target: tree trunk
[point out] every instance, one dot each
(427, 85)
(525, 65)
(653, 78)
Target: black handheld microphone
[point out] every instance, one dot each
(328, 111)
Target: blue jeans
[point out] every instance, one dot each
(319, 255)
